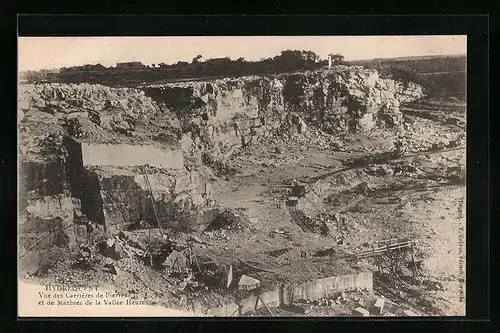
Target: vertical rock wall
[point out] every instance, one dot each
(116, 194)
(179, 199)
(221, 114)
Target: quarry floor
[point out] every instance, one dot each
(428, 211)
(419, 205)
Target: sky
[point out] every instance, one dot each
(36, 53)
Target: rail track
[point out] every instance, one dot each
(395, 297)
(299, 220)
(364, 164)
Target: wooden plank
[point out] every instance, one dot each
(257, 268)
(382, 250)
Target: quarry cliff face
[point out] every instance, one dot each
(222, 114)
(191, 124)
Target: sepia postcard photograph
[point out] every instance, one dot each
(242, 176)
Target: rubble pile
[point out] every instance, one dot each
(339, 226)
(228, 220)
(91, 112)
(425, 135)
(172, 258)
(294, 130)
(103, 105)
(40, 137)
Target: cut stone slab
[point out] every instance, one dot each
(248, 283)
(379, 305)
(360, 312)
(409, 313)
(204, 98)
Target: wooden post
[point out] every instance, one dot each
(173, 265)
(258, 297)
(197, 263)
(281, 294)
(256, 303)
(415, 270)
(237, 310)
(152, 201)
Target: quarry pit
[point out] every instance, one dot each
(178, 192)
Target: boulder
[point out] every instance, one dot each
(176, 261)
(113, 249)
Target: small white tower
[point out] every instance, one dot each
(329, 61)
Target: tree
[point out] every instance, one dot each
(309, 57)
(197, 58)
(337, 59)
(295, 59)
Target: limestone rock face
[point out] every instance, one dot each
(226, 113)
(358, 96)
(204, 121)
(124, 197)
(213, 118)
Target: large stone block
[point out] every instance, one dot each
(123, 155)
(323, 288)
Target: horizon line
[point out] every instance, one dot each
(351, 60)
